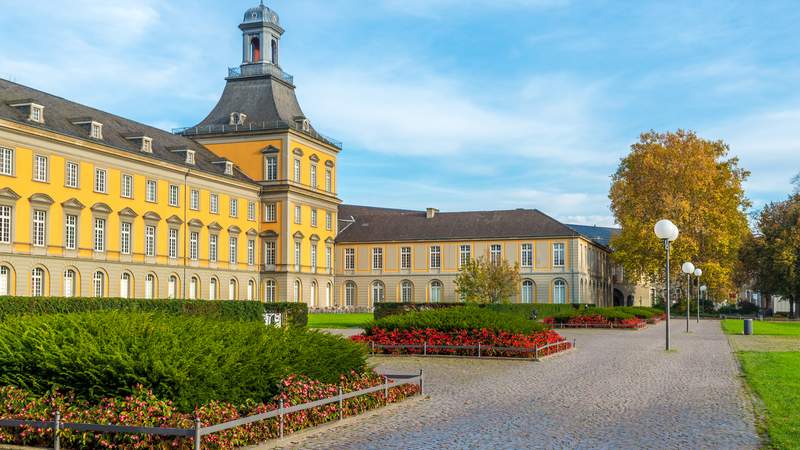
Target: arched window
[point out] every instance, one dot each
(349, 294)
(527, 291)
(269, 291)
(255, 50)
(296, 294)
(125, 285)
(37, 282)
(69, 283)
(149, 286)
(212, 289)
(328, 293)
(406, 291)
(232, 288)
(313, 300)
(193, 284)
(251, 288)
(172, 287)
(274, 50)
(436, 291)
(377, 292)
(5, 280)
(559, 291)
(99, 284)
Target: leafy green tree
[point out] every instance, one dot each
(690, 181)
(483, 281)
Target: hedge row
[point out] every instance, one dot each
(525, 309)
(455, 320)
(189, 360)
(294, 314)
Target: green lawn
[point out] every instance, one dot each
(334, 320)
(734, 326)
(774, 377)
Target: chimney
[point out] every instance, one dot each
(430, 213)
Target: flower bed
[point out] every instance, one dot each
(145, 409)
(493, 343)
(594, 321)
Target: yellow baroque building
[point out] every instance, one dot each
(243, 205)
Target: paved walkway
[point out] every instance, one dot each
(618, 390)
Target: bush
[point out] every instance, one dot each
(386, 309)
(189, 360)
(296, 314)
(469, 317)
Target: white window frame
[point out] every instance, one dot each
(99, 244)
(526, 255)
(350, 294)
(435, 257)
(7, 161)
(270, 253)
(194, 200)
(100, 180)
(329, 258)
(405, 258)
(151, 191)
(6, 219)
(271, 168)
(464, 254)
(270, 212)
(269, 291)
(213, 203)
(298, 214)
(377, 258)
(69, 283)
(495, 253)
(378, 292)
(298, 255)
(213, 247)
(559, 254)
(251, 211)
(37, 282)
(125, 232)
(328, 220)
(233, 207)
(70, 232)
(174, 195)
(98, 284)
(41, 168)
(349, 259)
(194, 237)
(559, 291)
(149, 240)
(39, 235)
(328, 180)
(529, 286)
(313, 175)
(233, 249)
(406, 291)
(72, 176)
(314, 217)
(251, 252)
(126, 188)
(172, 243)
(438, 288)
(298, 171)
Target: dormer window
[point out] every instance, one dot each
(237, 118)
(228, 168)
(190, 157)
(96, 130)
(147, 145)
(145, 142)
(37, 113)
(302, 123)
(34, 111)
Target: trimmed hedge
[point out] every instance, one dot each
(457, 319)
(386, 309)
(295, 314)
(189, 360)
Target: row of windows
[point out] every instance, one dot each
(298, 256)
(271, 173)
(41, 173)
(298, 217)
(464, 252)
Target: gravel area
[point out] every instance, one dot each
(619, 389)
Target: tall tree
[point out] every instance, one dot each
(690, 181)
(482, 281)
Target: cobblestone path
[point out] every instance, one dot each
(619, 389)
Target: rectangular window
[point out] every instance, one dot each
(298, 253)
(194, 200)
(405, 258)
(313, 257)
(125, 238)
(36, 113)
(527, 255)
(495, 253)
(126, 190)
(172, 247)
(270, 212)
(151, 191)
(234, 207)
(174, 195)
(99, 235)
(329, 259)
(251, 211)
(70, 232)
(100, 178)
(272, 168)
(6, 161)
(251, 252)
(96, 130)
(436, 257)
(328, 180)
(5, 224)
(349, 259)
(558, 255)
(150, 240)
(213, 203)
(269, 253)
(40, 169)
(465, 255)
(313, 217)
(297, 171)
(194, 237)
(377, 258)
(233, 249)
(328, 220)
(298, 214)
(314, 176)
(212, 247)
(71, 178)
(39, 227)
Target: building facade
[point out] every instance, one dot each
(242, 205)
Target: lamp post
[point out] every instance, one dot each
(667, 232)
(697, 273)
(688, 269)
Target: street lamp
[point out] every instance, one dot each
(667, 232)
(688, 269)
(697, 273)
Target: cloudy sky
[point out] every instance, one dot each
(456, 104)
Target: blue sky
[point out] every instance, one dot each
(460, 105)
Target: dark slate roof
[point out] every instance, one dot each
(384, 225)
(600, 235)
(60, 113)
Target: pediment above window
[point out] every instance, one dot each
(329, 241)
(314, 238)
(329, 163)
(8, 194)
(151, 215)
(314, 158)
(270, 149)
(101, 208)
(214, 226)
(127, 212)
(41, 199)
(233, 229)
(196, 223)
(268, 234)
(72, 203)
(252, 232)
(298, 235)
(298, 152)
(174, 220)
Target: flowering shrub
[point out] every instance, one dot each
(591, 319)
(493, 343)
(145, 409)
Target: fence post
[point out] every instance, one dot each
(574, 343)
(479, 349)
(341, 404)
(421, 383)
(386, 389)
(282, 420)
(535, 352)
(425, 348)
(56, 427)
(197, 437)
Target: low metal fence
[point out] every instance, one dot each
(636, 326)
(480, 351)
(198, 431)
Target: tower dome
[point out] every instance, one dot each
(261, 14)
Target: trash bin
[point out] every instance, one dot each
(748, 327)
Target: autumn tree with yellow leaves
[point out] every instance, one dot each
(692, 182)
